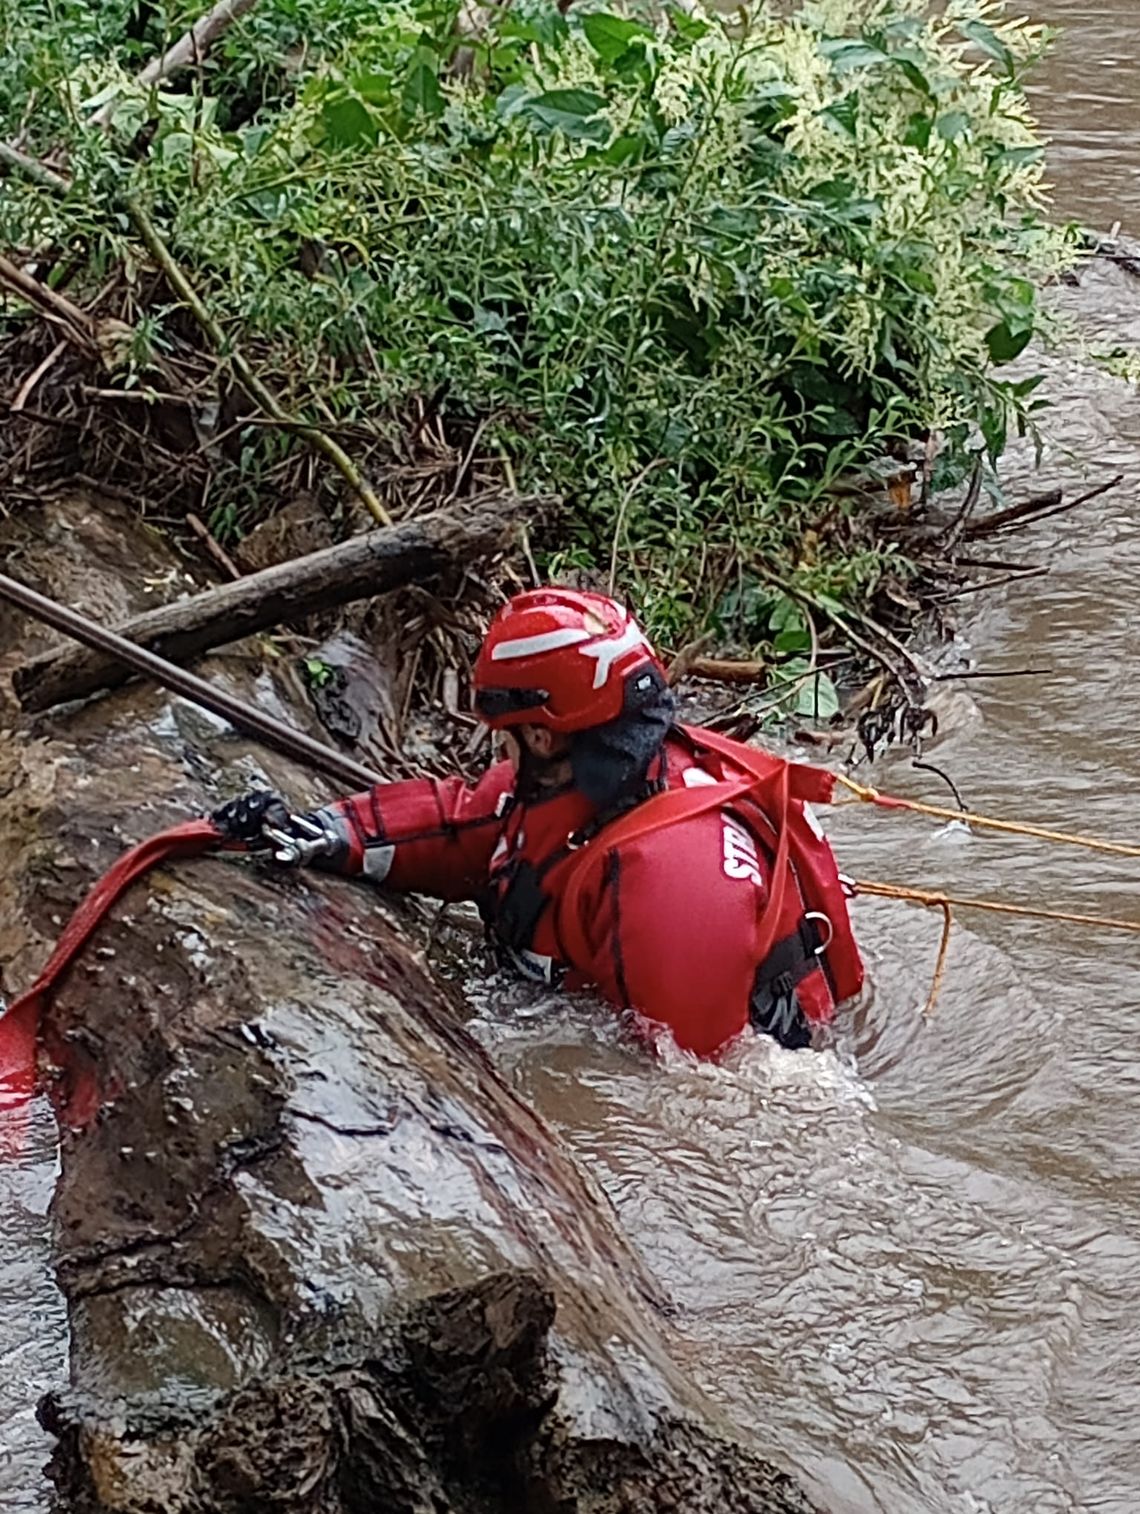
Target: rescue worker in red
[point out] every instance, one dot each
(680, 874)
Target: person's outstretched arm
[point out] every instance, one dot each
(427, 835)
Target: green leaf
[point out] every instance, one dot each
(916, 276)
(546, 26)
(1019, 157)
(1005, 344)
(795, 639)
(609, 36)
(846, 54)
(786, 615)
(817, 698)
(918, 131)
(994, 430)
(348, 122)
(952, 125)
(177, 146)
(1019, 295)
(914, 75)
(574, 112)
(687, 27)
(842, 115)
(622, 149)
(987, 41)
(422, 94)
(374, 89)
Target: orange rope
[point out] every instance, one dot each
(945, 901)
(940, 963)
(987, 822)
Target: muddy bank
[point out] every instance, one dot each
(315, 1254)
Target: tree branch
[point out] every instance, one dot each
(187, 50)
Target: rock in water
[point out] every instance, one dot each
(317, 1256)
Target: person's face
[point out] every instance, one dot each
(536, 738)
(508, 748)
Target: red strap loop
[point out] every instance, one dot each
(20, 1024)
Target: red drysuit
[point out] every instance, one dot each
(672, 917)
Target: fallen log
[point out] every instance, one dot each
(375, 563)
(317, 1256)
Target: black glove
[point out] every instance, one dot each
(263, 823)
(244, 819)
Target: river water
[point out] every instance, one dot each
(911, 1267)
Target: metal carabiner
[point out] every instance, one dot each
(815, 914)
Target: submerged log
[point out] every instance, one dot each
(317, 1256)
(375, 563)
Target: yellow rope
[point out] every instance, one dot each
(987, 822)
(945, 901)
(940, 964)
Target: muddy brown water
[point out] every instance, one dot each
(912, 1266)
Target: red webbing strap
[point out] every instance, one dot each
(811, 784)
(20, 1024)
(772, 780)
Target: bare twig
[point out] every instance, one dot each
(681, 664)
(54, 306)
(24, 393)
(187, 50)
(940, 963)
(842, 621)
(1041, 508)
(996, 564)
(212, 545)
(988, 583)
(930, 767)
(973, 494)
(32, 168)
(991, 673)
(725, 670)
(619, 525)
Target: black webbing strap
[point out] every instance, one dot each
(774, 1007)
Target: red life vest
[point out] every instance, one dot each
(772, 796)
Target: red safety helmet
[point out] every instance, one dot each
(559, 658)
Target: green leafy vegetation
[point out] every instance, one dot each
(699, 274)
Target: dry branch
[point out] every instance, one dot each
(726, 670)
(1041, 507)
(77, 325)
(32, 168)
(186, 51)
(365, 565)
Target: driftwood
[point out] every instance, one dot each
(725, 670)
(1040, 507)
(365, 565)
(317, 1257)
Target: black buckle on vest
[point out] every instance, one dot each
(774, 1006)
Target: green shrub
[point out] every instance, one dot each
(689, 270)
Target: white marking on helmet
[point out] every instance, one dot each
(607, 652)
(531, 646)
